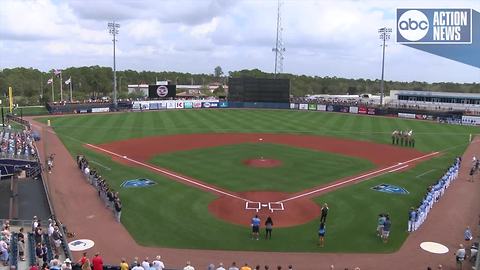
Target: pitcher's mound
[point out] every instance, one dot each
(262, 162)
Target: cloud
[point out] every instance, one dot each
(334, 38)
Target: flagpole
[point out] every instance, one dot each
(70, 84)
(61, 87)
(53, 92)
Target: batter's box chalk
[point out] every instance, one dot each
(253, 206)
(276, 206)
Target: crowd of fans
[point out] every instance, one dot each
(105, 192)
(353, 101)
(17, 144)
(45, 247)
(417, 216)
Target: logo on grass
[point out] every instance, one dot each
(387, 188)
(135, 183)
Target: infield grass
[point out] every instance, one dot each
(172, 214)
(300, 169)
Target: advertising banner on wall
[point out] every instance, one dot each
(154, 106)
(100, 109)
(321, 107)
(330, 108)
(371, 111)
(303, 106)
(470, 120)
(197, 104)
(188, 105)
(406, 115)
(362, 110)
(179, 104)
(171, 104)
(223, 104)
(293, 107)
(353, 109)
(312, 107)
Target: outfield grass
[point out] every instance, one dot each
(175, 215)
(30, 111)
(300, 168)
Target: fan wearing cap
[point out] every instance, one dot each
(67, 264)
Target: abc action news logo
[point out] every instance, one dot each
(434, 26)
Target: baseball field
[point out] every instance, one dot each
(215, 168)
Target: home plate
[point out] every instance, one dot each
(264, 205)
(260, 139)
(124, 156)
(433, 247)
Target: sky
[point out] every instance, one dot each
(321, 37)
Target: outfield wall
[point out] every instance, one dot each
(453, 117)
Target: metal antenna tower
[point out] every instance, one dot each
(279, 46)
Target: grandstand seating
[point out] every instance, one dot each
(14, 251)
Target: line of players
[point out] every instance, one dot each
(416, 217)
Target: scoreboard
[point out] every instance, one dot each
(259, 90)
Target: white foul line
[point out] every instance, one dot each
(427, 172)
(379, 172)
(397, 169)
(169, 173)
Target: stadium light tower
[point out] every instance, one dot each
(113, 30)
(279, 46)
(384, 36)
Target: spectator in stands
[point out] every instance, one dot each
(38, 234)
(188, 266)
(35, 223)
(34, 266)
(233, 266)
(55, 261)
(97, 262)
(39, 253)
(220, 266)
(3, 251)
(146, 264)
(158, 264)
(67, 264)
(57, 239)
(137, 266)
(21, 245)
(135, 262)
(124, 264)
(246, 267)
(211, 266)
(460, 256)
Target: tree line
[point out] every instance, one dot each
(30, 85)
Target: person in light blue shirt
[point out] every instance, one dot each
(255, 227)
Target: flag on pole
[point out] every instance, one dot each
(68, 81)
(50, 81)
(57, 72)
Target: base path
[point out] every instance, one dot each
(76, 203)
